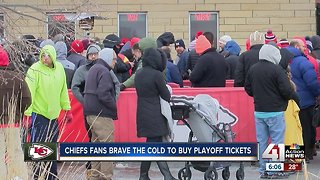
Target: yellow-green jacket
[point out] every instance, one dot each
(48, 87)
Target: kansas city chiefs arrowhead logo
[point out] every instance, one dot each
(39, 151)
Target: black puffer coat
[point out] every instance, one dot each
(151, 85)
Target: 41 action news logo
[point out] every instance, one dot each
(280, 152)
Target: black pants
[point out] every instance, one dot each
(44, 130)
(308, 131)
(145, 165)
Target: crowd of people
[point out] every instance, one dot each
(281, 76)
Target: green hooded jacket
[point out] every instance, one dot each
(47, 86)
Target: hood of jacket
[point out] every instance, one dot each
(46, 42)
(286, 57)
(154, 58)
(62, 50)
(202, 44)
(315, 41)
(233, 48)
(51, 51)
(270, 53)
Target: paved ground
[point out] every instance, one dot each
(130, 171)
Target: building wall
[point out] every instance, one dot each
(237, 18)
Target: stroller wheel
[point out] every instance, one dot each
(184, 174)
(211, 174)
(240, 174)
(226, 173)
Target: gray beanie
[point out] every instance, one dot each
(106, 54)
(93, 48)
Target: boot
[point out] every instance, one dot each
(164, 168)
(144, 169)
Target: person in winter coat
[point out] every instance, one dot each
(122, 67)
(15, 98)
(75, 54)
(211, 69)
(137, 50)
(309, 56)
(182, 58)
(150, 86)
(270, 88)
(172, 71)
(13, 87)
(316, 46)
(68, 66)
(232, 52)
(100, 107)
(46, 80)
(223, 41)
(293, 133)
(79, 78)
(308, 89)
(248, 58)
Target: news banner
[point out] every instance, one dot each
(278, 155)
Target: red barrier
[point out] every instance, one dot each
(235, 99)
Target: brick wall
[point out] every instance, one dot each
(238, 18)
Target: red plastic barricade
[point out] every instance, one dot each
(234, 99)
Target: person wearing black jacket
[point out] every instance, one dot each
(270, 88)
(151, 85)
(248, 58)
(211, 69)
(100, 107)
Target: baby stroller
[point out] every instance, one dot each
(199, 114)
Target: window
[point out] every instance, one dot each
(203, 21)
(61, 23)
(1, 25)
(132, 25)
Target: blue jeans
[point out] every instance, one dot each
(274, 128)
(44, 130)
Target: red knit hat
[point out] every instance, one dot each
(77, 46)
(133, 41)
(270, 37)
(4, 58)
(198, 34)
(283, 43)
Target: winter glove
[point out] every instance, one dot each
(122, 87)
(68, 116)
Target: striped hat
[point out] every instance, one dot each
(269, 36)
(283, 43)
